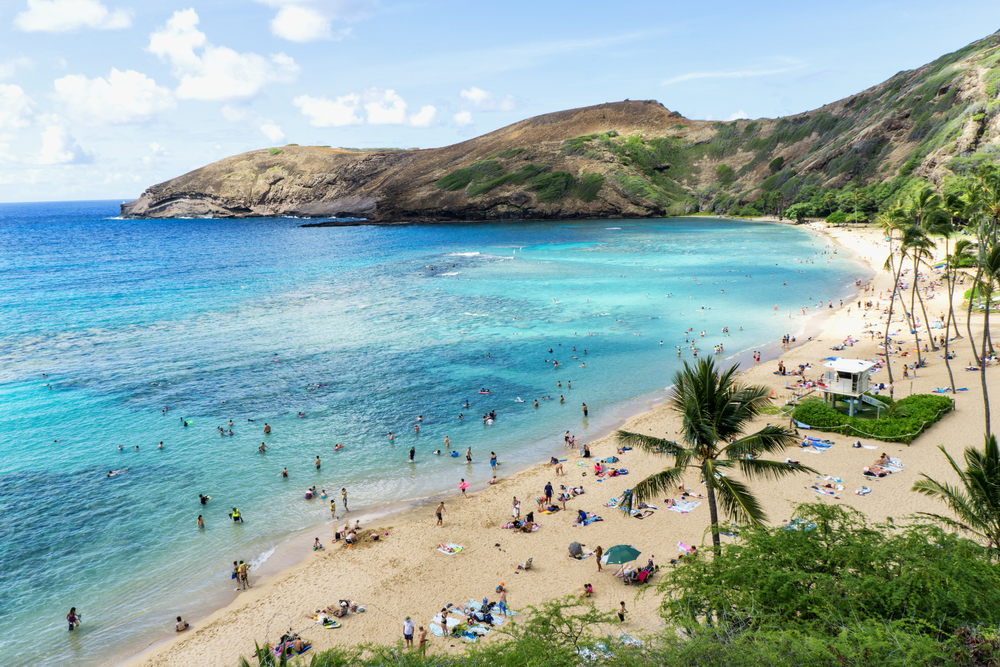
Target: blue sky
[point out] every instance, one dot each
(100, 99)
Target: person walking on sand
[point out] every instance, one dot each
(548, 493)
(439, 512)
(599, 552)
(621, 612)
(517, 508)
(408, 632)
(422, 640)
(503, 598)
(343, 494)
(463, 486)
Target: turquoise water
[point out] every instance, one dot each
(360, 328)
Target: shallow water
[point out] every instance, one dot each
(362, 329)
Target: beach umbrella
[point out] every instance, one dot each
(621, 553)
(575, 549)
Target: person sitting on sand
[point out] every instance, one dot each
(588, 590)
(339, 611)
(883, 460)
(181, 625)
(373, 537)
(527, 526)
(316, 545)
(350, 538)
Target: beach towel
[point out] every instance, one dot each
(893, 468)
(644, 514)
(613, 503)
(454, 546)
(863, 491)
(683, 506)
(824, 492)
(897, 463)
(549, 510)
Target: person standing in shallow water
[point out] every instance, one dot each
(267, 429)
(584, 409)
(413, 451)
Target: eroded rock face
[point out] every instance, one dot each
(647, 160)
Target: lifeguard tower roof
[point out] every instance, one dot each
(849, 365)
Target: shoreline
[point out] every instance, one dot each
(294, 553)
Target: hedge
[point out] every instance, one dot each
(906, 420)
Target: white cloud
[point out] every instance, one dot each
(16, 108)
(322, 112)
(159, 151)
(300, 24)
(482, 100)
(312, 20)
(270, 129)
(462, 118)
(737, 115)
(739, 74)
(218, 72)
(382, 107)
(124, 97)
(69, 15)
(59, 147)
(9, 67)
(425, 117)
(273, 132)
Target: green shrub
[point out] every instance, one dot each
(906, 419)
(477, 171)
(508, 153)
(519, 177)
(836, 218)
(275, 151)
(553, 186)
(589, 186)
(725, 174)
(776, 164)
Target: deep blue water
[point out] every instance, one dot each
(360, 328)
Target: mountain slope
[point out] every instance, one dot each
(624, 159)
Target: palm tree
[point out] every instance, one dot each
(925, 212)
(918, 246)
(976, 502)
(987, 286)
(716, 409)
(890, 222)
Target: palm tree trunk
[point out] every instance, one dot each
(968, 318)
(982, 372)
(927, 322)
(913, 314)
(888, 323)
(713, 515)
(947, 332)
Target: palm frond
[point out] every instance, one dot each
(654, 486)
(651, 444)
(738, 503)
(770, 440)
(755, 468)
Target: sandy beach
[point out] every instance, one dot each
(403, 574)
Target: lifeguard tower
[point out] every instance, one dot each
(848, 378)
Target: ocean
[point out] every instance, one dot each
(329, 335)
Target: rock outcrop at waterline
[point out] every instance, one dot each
(399, 186)
(624, 159)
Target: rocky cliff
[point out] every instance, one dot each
(622, 159)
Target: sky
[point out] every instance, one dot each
(100, 99)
